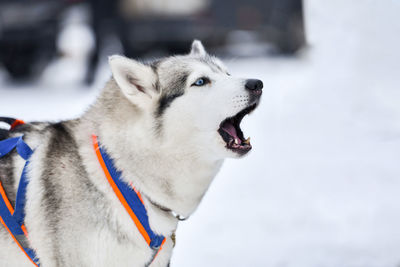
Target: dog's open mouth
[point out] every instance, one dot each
(231, 133)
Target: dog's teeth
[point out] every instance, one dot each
(236, 141)
(247, 141)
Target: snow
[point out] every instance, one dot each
(321, 186)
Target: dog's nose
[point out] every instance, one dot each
(254, 85)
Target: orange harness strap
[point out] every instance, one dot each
(130, 199)
(11, 209)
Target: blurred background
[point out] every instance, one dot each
(321, 186)
(36, 32)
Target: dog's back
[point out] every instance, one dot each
(56, 154)
(62, 204)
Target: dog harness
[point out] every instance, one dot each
(130, 198)
(13, 217)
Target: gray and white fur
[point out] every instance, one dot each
(162, 133)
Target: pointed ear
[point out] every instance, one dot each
(198, 49)
(136, 80)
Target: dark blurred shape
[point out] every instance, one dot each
(279, 22)
(28, 32)
(142, 28)
(105, 19)
(29, 28)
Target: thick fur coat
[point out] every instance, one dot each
(160, 123)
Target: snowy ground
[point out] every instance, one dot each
(321, 186)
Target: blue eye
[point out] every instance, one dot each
(201, 82)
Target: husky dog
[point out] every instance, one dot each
(167, 125)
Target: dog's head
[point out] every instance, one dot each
(191, 100)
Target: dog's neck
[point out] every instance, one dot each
(173, 176)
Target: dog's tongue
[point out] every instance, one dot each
(230, 129)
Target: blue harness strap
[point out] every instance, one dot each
(13, 218)
(132, 197)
